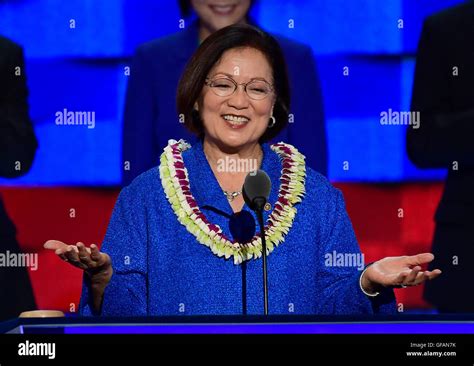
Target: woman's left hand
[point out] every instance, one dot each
(398, 272)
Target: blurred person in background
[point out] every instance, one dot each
(17, 150)
(443, 93)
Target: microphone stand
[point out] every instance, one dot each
(259, 204)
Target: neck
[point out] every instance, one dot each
(205, 30)
(217, 156)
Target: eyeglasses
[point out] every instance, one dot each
(225, 87)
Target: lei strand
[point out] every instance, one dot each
(174, 178)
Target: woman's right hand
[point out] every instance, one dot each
(95, 264)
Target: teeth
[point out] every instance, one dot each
(236, 120)
(223, 8)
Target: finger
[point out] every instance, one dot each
(419, 259)
(420, 278)
(411, 277)
(86, 248)
(423, 276)
(95, 253)
(61, 250)
(71, 254)
(54, 244)
(433, 274)
(61, 255)
(400, 279)
(84, 256)
(73, 257)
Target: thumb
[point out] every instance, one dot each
(54, 244)
(419, 259)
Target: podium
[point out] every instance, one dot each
(397, 324)
(405, 337)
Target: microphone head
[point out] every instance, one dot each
(257, 185)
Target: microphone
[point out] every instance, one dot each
(256, 189)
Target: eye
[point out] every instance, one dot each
(222, 84)
(258, 88)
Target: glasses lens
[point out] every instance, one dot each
(223, 87)
(258, 89)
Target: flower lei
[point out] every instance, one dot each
(174, 178)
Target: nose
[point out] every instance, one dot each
(239, 99)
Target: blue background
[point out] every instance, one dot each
(82, 69)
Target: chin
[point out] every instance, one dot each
(234, 142)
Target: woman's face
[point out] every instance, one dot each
(236, 121)
(217, 14)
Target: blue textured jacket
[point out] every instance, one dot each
(161, 269)
(150, 117)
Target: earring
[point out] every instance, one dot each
(272, 123)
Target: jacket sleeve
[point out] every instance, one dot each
(341, 292)
(140, 112)
(444, 134)
(125, 242)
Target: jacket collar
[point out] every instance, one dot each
(205, 187)
(189, 38)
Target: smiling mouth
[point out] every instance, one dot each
(222, 9)
(235, 121)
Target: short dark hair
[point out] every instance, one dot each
(184, 7)
(209, 53)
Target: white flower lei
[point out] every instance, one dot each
(174, 178)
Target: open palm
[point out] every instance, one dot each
(399, 271)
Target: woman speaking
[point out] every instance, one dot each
(182, 240)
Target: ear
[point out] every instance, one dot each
(196, 106)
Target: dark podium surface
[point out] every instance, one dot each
(424, 339)
(400, 324)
